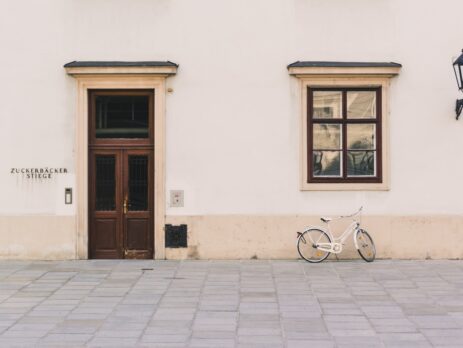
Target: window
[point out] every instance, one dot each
(121, 116)
(344, 135)
(344, 114)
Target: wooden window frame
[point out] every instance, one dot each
(337, 80)
(344, 121)
(337, 76)
(95, 142)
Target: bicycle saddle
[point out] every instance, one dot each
(326, 219)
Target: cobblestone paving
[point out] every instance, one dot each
(231, 304)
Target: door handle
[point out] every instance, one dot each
(125, 204)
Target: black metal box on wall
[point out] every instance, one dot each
(176, 236)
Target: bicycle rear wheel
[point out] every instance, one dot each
(307, 245)
(365, 245)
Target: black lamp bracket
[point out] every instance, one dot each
(459, 107)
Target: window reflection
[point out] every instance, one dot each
(361, 104)
(327, 104)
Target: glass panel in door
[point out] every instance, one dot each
(138, 183)
(105, 183)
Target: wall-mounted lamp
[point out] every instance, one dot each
(457, 66)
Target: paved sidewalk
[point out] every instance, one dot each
(231, 304)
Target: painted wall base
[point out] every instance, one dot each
(38, 237)
(244, 237)
(274, 237)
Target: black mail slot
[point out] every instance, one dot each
(176, 236)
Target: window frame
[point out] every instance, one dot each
(339, 78)
(343, 122)
(94, 141)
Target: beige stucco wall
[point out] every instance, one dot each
(37, 237)
(274, 237)
(246, 237)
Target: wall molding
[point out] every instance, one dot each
(86, 82)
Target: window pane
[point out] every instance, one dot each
(105, 187)
(138, 183)
(361, 104)
(326, 163)
(122, 116)
(327, 136)
(361, 163)
(327, 104)
(361, 136)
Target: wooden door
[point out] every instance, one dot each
(121, 204)
(121, 175)
(105, 204)
(138, 204)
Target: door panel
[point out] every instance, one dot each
(138, 241)
(121, 203)
(137, 234)
(104, 208)
(106, 237)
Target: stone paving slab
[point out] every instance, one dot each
(252, 303)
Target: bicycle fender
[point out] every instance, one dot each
(355, 238)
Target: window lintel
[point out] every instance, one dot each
(161, 68)
(310, 68)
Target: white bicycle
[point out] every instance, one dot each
(315, 243)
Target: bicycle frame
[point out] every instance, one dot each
(336, 244)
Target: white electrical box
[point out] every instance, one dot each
(176, 198)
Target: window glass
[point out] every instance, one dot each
(105, 183)
(326, 163)
(344, 141)
(327, 136)
(361, 163)
(122, 117)
(138, 183)
(361, 136)
(361, 104)
(327, 104)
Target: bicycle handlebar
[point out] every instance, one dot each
(356, 213)
(351, 215)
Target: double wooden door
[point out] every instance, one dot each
(121, 203)
(121, 174)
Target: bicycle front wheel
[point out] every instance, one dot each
(307, 245)
(365, 245)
